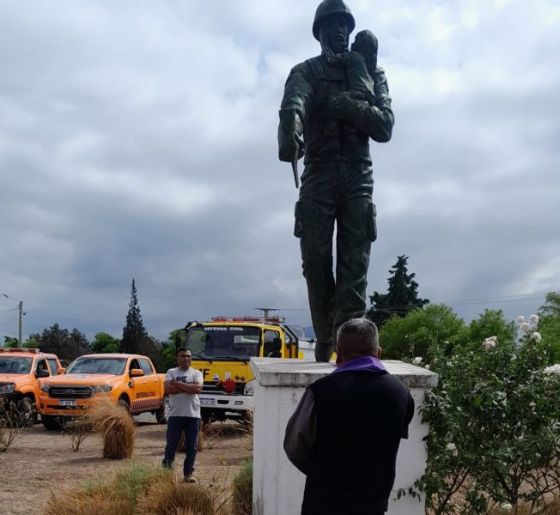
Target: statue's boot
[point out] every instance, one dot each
(323, 351)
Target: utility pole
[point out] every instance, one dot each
(20, 325)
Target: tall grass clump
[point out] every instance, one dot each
(119, 496)
(140, 490)
(132, 483)
(170, 497)
(116, 427)
(98, 500)
(242, 501)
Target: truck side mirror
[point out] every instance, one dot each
(60, 370)
(136, 372)
(42, 373)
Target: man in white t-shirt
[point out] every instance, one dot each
(182, 385)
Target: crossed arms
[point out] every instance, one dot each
(174, 386)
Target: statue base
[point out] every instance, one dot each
(279, 384)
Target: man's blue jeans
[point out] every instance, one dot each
(175, 426)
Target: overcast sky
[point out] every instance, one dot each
(138, 139)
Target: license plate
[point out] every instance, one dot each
(67, 403)
(207, 402)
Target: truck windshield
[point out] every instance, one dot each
(224, 342)
(113, 366)
(15, 365)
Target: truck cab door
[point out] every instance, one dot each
(137, 385)
(272, 344)
(153, 385)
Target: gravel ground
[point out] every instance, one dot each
(41, 462)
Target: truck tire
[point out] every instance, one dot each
(27, 412)
(123, 403)
(162, 413)
(51, 422)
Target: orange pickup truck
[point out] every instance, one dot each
(20, 372)
(127, 379)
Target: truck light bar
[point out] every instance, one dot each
(267, 320)
(32, 351)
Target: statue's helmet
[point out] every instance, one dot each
(328, 8)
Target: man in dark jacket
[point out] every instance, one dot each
(319, 110)
(345, 433)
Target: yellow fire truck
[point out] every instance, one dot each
(222, 349)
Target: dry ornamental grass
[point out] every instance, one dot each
(171, 498)
(116, 427)
(139, 491)
(78, 502)
(243, 490)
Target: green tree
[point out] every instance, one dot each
(490, 323)
(31, 344)
(421, 330)
(134, 331)
(168, 349)
(152, 347)
(401, 296)
(11, 342)
(68, 345)
(549, 323)
(105, 343)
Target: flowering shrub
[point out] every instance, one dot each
(494, 420)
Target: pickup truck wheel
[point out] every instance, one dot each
(27, 412)
(51, 423)
(123, 403)
(162, 413)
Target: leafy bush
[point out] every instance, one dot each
(421, 330)
(494, 422)
(550, 323)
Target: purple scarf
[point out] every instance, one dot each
(362, 364)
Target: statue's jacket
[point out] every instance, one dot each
(340, 135)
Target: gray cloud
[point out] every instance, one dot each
(139, 139)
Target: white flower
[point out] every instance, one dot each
(553, 369)
(534, 320)
(490, 343)
(520, 319)
(536, 336)
(507, 507)
(452, 448)
(524, 327)
(417, 360)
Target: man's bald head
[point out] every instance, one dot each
(356, 338)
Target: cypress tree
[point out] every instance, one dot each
(134, 332)
(401, 296)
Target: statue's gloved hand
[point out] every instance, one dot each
(343, 105)
(288, 147)
(290, 142)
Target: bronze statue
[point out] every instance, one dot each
(332, 105)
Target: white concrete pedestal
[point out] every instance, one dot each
(280, 383)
